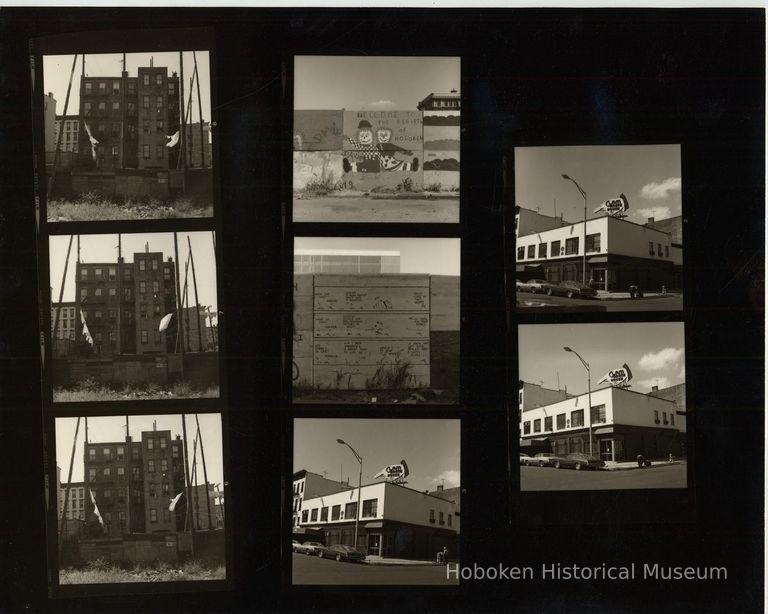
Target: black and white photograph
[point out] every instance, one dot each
(631, 376)
(127, 136)
(598, 228)
(134, 316)
(375, 501)
(140, 499)
(376, 139)
(376, 320)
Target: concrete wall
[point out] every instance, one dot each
(529, 222)
(406, 505)
(638, 410)
(533, 395)
(370, 491)
(442, 156)
(627, 239)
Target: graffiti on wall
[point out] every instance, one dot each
(382, 141)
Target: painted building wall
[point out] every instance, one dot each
(442, 145)
(368, 492)
(528, 222)
(628, 239)
(534, 395)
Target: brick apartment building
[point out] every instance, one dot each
(133, 483)
(131, 118)
(123, 303)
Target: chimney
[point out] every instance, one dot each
(654, 388)
(650, 220)
(439, 487)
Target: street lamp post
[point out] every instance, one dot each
(359, 485)
(589, 394)
(584, 246)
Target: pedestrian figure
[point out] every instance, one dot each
(640, 461)
(663, 289)
(445, 554)
(439, 557)
(632, 291)
(671, 458)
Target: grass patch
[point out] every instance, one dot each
(92, 390)
(103, 572)
(433, 187)
(93, 206)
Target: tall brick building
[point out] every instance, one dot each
(125, 121)
(127, 299)
(133, 483)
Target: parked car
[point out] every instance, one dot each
(298, 547)
(536, 285)
(313, 547)
(578, 461)
(524, 458)
(577, 289)
(542, 459)
(341, 552)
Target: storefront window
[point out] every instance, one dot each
(577, 418)
(572, 246)
(555, 251)
(593, 242)
(531, 251)
(370, 508)
(598, 414)
(526, 427)
(542, 250)
(537, 425)
(548, 423)
(560, 421)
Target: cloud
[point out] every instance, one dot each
(661, 382)
(663, 359)
(378, 104)
(681, 373)
(451, 477)
(657, 213)
(657, 191)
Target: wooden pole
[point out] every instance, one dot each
(129, 491)
(199, 112)
(186, 481)
(119, 270)
(69, 482)
(179, 325)
(61, 292)
(52, 178)
(196, 514)
(185, 300)
(205, 473)
(183, 132)
(197, 300)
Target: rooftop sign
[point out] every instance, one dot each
(394, 473)
(617, 377)
(616, 207)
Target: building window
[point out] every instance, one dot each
(531, 251)
(442, 518)
(159, 102)
(115, 87)
(650, 247)
(659, 251)
(87, 108)
(145, 78)
(577, 418)
(153, 515)
(167, 273)
(163, 443)
(666, 251)
(598, 414)
(83, 274)
(91, 475)
(432, 515)
(160, 151)
(102, 108)
(449, 520)
(542, 250)
(112, 291)
(131, 109)
(313, 515)
(107, 472)
(548, 423)
(145, 102)
(555, 249)
(120, 452)
(171, 88)
(83, 293)
(150, 466)
(145, 152)
(115, 106)
(88, 87)
(159, 78)
(370, 508)
(92, 454)
(350, 511)
(115, 130)
(132, 87)
(145, 126)
(107, 493)
(142, 265)
(115, 151)
(672, 418)
(656, 416)
(126, 294)
(97, 292)
(572, 246)
(593, 242)
(163, 464)
(106, 452)
(135, 473)
(166, 488)
(520, 253)
(166, 515)
(135, 453)
(324, 514)
(174, 451)
(527, 427)
(157, 313)
(142, 287)
(537, 425)
(665, 417)
(160, 125)
(304, 515)
(102, 87)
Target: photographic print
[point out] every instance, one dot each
(140, 499)
(631, 376)
(599, 228)
(376, 320)
(376, 139)
(134, 316)
(128, 135)
(383, 494)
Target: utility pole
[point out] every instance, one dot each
(128, 452)
(52, 178)
(179, 325)
(69, 483)
(61, 292)
(205, 473)
(200, 112)
(186, 480)
(119, 270)
(197, 301)
(183, 131)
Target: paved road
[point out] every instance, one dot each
(313, 570)
(552, 303)
(329, 209)
(549, 478)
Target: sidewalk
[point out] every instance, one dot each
(604, 295)
(615, 466)
(378, 560)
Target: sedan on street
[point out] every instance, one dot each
(525, 458)
(298, 547)
(313, 548)
(578, 461)
(542, 459)
(341, 552)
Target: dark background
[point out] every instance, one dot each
(545, 77)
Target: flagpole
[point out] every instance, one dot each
(69, 483)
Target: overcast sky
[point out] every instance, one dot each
(417, 255)
(57, 68)
(378, 83)
(429, 447)
(653, 351)
(648, 175)
(103, 249)
(112, 429)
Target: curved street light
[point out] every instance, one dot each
(589, 393)
(359, 485)
(584, 246)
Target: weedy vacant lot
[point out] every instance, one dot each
(100, 572)
(89, 390)
(94, 207)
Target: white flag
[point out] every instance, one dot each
(86, 332)
(92, 139)
(174, 139)
(96, 508)
(174, 501)
(165, 322)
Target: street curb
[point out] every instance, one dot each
(402, 564)
(627, 298)
(657, 465)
